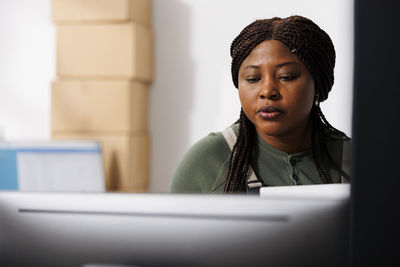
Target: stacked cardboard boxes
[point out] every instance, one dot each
(104, 66)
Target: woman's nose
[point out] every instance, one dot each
(269, 90)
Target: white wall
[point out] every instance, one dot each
(193, 94)
(27, 65)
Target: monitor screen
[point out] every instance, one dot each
(54, 229)
(51, 166)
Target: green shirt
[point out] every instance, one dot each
(205, 166)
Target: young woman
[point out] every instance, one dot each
(283, 69)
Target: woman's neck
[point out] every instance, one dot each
(297, 141)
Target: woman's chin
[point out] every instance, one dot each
(270, 131)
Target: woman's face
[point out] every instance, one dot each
(276, 90)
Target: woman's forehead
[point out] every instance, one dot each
(270, 52)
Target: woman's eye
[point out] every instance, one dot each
(253, 79)
(288, 78)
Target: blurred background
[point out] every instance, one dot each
(190, 91)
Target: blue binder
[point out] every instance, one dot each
(8, 169)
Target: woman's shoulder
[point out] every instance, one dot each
(214, 143)
(201, 165)
(337, 136)
(338, 142)
(339, 147)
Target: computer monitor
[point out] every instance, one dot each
(113, 229)
(52, 166)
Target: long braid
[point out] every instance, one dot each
(314, 133)
(327, 161)
(328, 126)
(319, 148)
(240, 157)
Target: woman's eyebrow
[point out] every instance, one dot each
(252, 67)
(286, 63)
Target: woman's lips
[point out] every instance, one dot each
(269, 112)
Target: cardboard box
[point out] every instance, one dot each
(116, 51)
(126, 159)
(101, 11)
(101, 106)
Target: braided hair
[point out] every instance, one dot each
(315, 49)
